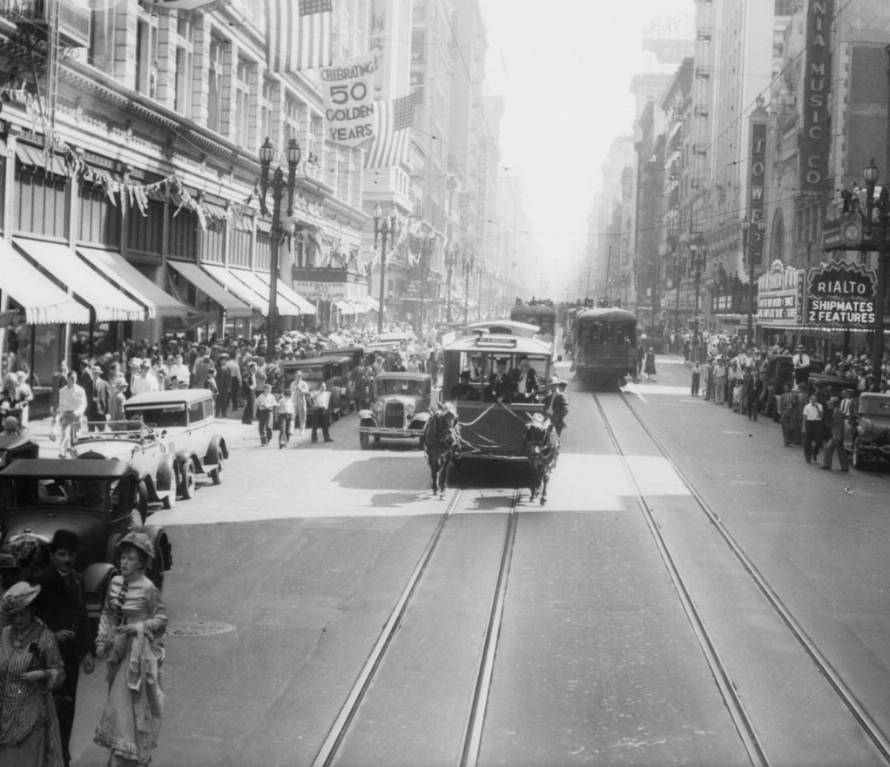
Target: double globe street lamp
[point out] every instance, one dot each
(385, 229)
(278, 184)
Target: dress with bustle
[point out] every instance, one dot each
(131, 721)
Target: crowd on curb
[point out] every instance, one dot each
(812, 412)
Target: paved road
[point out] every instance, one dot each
(285, 574)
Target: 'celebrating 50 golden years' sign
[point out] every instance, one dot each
(841, 295)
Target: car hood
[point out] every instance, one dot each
(419, 403)
(43, 521)
(122, 450)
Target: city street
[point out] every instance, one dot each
(286, 574)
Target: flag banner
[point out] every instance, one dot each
(298, 34)
(393, 123)
(348, 95)
(189, 5)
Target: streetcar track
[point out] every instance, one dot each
(472, 741)
(740, 717)
(866, 723)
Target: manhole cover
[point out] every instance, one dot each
(198, 628)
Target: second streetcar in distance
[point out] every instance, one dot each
(604, 342)
(540, 313)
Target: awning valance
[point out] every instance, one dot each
(238, 287)
(233, 307)
(44, 302)
(30, 155)
(289, 294)
(109, 304)
(116, 268)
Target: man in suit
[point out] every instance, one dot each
(525, 380)
(500, 384)
(835, 419)
(557, 406)
(801, 363)
(100, 406)
(464, 389)
(61, 606)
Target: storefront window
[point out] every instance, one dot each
(100, 222)
(145, 234)
(41, 202)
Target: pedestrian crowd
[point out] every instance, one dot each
(47, 639)
(812, 412)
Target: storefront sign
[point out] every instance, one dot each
(841, 295)
(815, 139)
(755, 193)
(327, 291)
(348, 99)
(780, 296)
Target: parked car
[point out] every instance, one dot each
(15, 446)
(333, 370)
(95, 498)
(867, 436)
(357, 354)
(143, 448)
(187, 419)
(400, 408)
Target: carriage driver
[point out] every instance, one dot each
(525, 380)
(500, 384)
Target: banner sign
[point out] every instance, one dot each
(348, 100)
(841, 295)
(780, 296)
(755, 193)
(815, 138)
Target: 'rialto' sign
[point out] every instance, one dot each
(841, 295)
(815, 139)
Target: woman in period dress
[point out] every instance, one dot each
(650, 364)
(30, 669)
(131, 627)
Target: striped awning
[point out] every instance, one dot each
(108, 303)
(230, 304)
(44, 302)
(289, 294)
(236, 287)
(115, 267)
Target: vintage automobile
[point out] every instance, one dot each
(867, 436)
(186, 416)
(95, 498)
(333, 370)
(400, 408)
(141, 447)
(15, 446)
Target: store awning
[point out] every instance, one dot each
(44, 302)
(346, 307)
(230, 282)
(252, 280)
(233, 307)
(31, 155)
(289, 294)
(115, 267)
(108, 303)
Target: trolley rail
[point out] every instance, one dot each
(740, 718)
(472, 739)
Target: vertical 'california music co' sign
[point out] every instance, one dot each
(815, 139)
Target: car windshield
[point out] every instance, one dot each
(93, 494)
(875, 406)
(395, 386)
(174, 415)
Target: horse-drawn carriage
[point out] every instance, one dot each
(496, 386)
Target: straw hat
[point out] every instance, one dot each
(19, 596)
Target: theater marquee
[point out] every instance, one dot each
(841, 296)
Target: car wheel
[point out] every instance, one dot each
(216, 475)
(156, 576)
(187, 482)
(364, 440)
(376, 439)
(169, 500)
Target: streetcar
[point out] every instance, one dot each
(604, 342)
(492, 430)
(540, 313)
(503, 327)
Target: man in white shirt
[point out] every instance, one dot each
(812, 429)
(72, 406)
(321, 417)
(144, 380)
(801, 362)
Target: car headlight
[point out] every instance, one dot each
(377, 407)
(863, 429)
(409, 409)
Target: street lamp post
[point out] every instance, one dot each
(469, 261)
(698, 255)
(450, 261)
(877, 219)
(278, 185)
(747, 227)
(384, 229)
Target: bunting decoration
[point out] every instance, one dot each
(298, 34)
(125, 195)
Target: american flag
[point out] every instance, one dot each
(298, 34)
(393, 123)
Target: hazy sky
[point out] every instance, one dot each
(564, 69)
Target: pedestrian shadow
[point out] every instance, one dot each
(398, 500)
